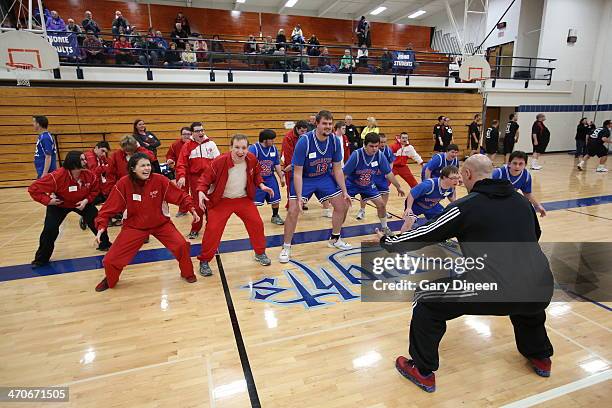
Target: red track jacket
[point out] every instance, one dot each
(217, 177)
(195, 158)
(65, 187)
(117, 167)
(175, 150)
(144, 205)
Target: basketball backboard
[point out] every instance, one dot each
(474, 68)
(25, 50)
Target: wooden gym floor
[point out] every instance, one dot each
(156, 341)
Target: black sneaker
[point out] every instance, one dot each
(104, 246)
(205, 269)
(82, 224)
(192, 235)
(38, 264)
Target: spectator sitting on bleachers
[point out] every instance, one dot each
(313, 46)
(93, 49)
(216, 46)
(180, 18)
(297, 37)
(89, 24)
(173, 57)
(149, 53)
(268, 46)
(55, 23)
(75, 29)
(179, 36)
(189, 58)
(161, 43)
(250, 47)
(362, 56)
(281, 39)
(386, 60)
(120, 22)
(280, 63)
(201, 48)
(325, 62)
(347, 63)
(123, 54)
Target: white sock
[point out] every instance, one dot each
(383, 222)
(534, 163)
(287, 246)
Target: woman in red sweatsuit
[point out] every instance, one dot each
(196, 156)
(118, 161)
(97, 163)
(172, 156)
(143, 197)
(234, 178)
(69, 188)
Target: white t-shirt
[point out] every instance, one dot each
(236, 181)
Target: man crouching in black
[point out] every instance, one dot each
(495, 222)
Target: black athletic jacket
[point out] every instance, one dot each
(497, 221)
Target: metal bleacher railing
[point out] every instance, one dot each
(149, 51)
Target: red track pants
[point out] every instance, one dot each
(192, 182)
(405, 173)
(130, 240)
(217, 219)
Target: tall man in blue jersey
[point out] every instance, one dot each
(424, 198)
(45, 156)
(269, 161)
(439, 161)
(517, 174)
(362, 171)
(317, 169)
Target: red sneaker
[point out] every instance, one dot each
(191, 279)
(541, 366)
(102, 286)
(410, 371)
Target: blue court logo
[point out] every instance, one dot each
(312, 287)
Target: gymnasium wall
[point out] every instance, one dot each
(239, 24)
(78, 116)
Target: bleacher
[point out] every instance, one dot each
(79, 117)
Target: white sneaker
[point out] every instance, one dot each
(339, 244)
(285, 254)
(580, 165)
(536, 167)
(327, 212)
(360, 214)
(601, 170)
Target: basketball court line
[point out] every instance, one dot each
(562, 390)
(590, 215)
(24, 271)
(242, 353)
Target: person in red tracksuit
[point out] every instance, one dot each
(196, 156)
(118, 161)
(287, 148)
(143, 197)
(227, 188)
(67, 189)
(402, 149)
(172, 156)
(97, 163)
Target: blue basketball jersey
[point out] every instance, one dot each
(429, 193)
(360, 169)
(315, 156)
(268, 158)
(438, 162)
(521, 182)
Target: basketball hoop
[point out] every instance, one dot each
(22, 72)
(474, 68)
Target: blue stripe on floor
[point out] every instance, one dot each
(9, 273)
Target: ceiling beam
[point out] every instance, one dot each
(365, 10)
(326, 8)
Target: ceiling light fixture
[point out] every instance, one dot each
(378, 10)
(417, 14)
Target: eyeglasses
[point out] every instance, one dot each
(198, 130)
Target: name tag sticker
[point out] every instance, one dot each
(272, 154)
(374, 164)
(312, 155)
(136, 197)
(72, 189)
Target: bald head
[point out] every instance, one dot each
(476, 168)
